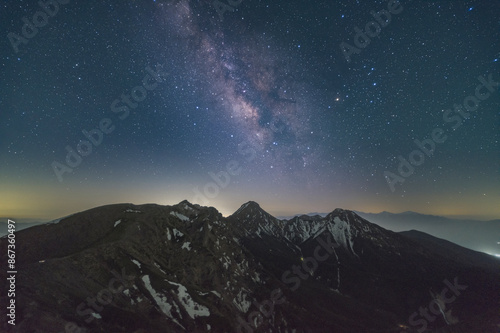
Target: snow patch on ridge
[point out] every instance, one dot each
(159, 267)
(137, 263)
(177, 233)
(241, 302)
(161, 300)
(192, 308)
(341, 232)
(298, 231)
(180, 216)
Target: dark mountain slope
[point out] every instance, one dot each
(151, 268)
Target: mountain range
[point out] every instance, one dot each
(186, 268)
(477, 235)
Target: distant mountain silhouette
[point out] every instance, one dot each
(476, 235)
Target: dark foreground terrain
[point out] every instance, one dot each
(186, 268)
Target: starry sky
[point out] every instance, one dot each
(301, 106)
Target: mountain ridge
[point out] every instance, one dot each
(187, 267)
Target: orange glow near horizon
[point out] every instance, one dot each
(48, 201)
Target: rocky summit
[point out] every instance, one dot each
(186, 268)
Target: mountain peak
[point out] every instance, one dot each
(250, 205)
(340, 212)
(251, 209)
(409, 212)
(185, 203)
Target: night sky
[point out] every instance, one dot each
(273, 101)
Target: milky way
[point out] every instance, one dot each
(265, 85)
(249, 78)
